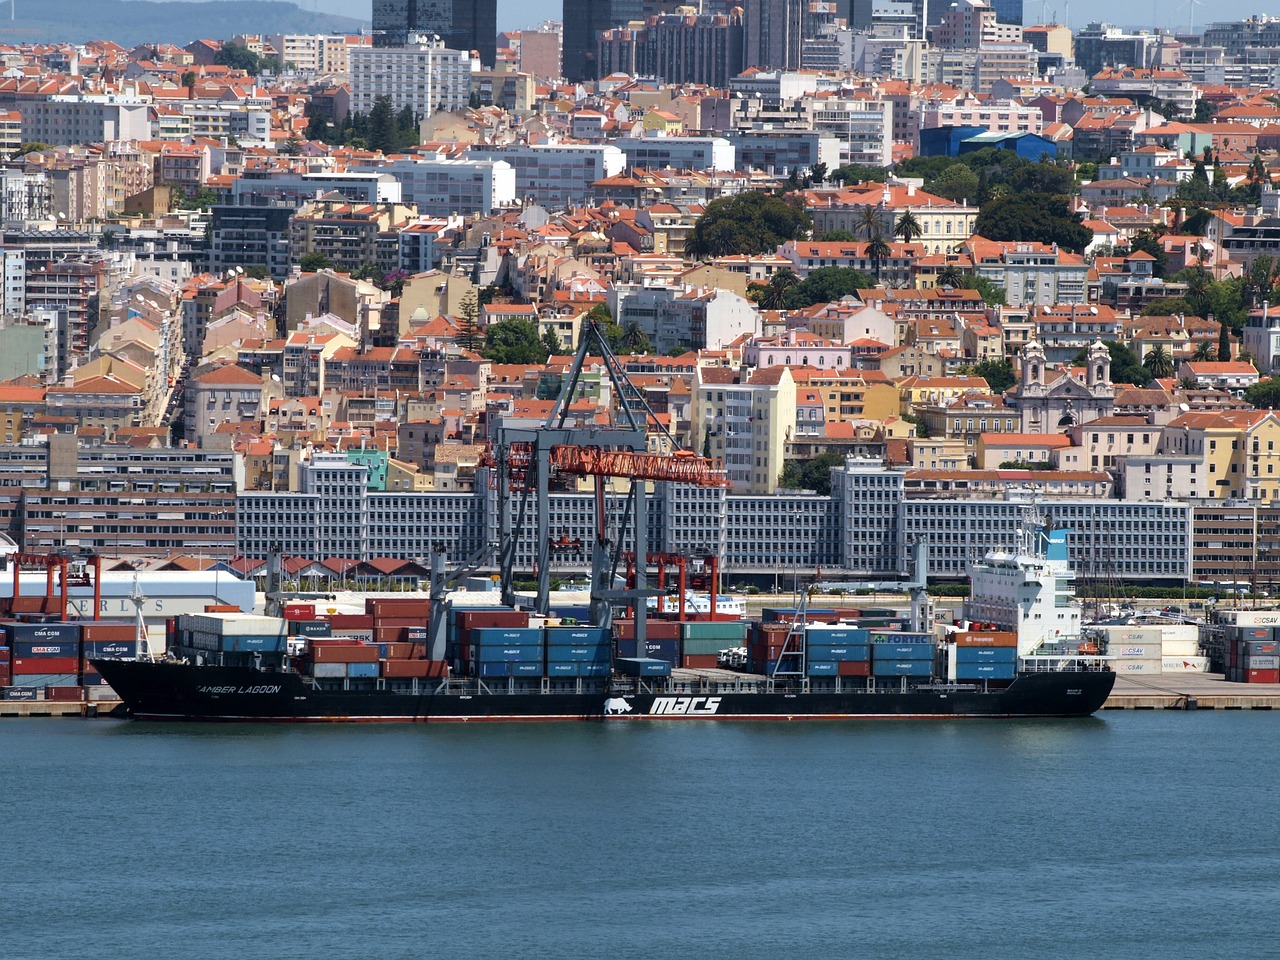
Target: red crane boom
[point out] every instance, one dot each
(679, 467)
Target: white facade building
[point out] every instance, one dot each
(681, 153)
(425, 77)
(556, 174)
(440, 188)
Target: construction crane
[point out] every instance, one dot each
(524, 460)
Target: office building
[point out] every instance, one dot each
(464, 25)
(584, 21)
(774, 31)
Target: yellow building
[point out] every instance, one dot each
(663, 122)
(850, 395)
(1238, 452)
(747, 425)
(915, 393)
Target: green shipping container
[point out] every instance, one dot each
(699, 647)
(735, 630)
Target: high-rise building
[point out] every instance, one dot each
(584, 21)
(774, 30)
(462, 24)
(677, 48)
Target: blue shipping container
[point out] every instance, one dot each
(986, 655)
(902, 668)
(507, 654)
(897, 636)
(492, 669)
(364, 671)
(595, 669)
(638, 667)
(818, 668)
(837, 635)
(563, 654)
(93, 680)
(32, 632)
(563, 669)
(668, 650)
(840, 651)
(526, 669)
(578, 636)
(24, 649)
(985, 671)
(904, 651)
(263, 644)
(506, 637)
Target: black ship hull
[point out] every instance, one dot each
(178, 691)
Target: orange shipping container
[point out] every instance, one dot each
(850, 668)
(358, 653)
(985, 639)
(701, 661)
(414, 668)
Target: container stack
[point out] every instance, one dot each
(643, 667)
(765, 649)
(986, 656)
(102, 641)
(1136, 651)
(232, 633)
(44, 656)
(493, 652)
(702, 641)
(1253, 655)
(662, 640)
(837, 651)
(902, 654)
(578, 652)
(398, 619)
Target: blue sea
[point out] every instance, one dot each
(1130, 835)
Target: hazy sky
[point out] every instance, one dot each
(513, 14)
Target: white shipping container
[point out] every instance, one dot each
(1128, 668)
(1180, 632)
(1135, 651)
(239, 625)
(329, 671)
(1249, 618)
(1185, 664)
(1180, 648)
(1139, 635)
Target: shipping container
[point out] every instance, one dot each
(112, 649)
(986, 655)
(853, 668)
(563, 653)
(90, 679)
(1184, 665)
(299, 611)
(234, 625)
(364, 671)
(700, 661)
(47, 680)
(310, 628)
(822, 668)
(1135, 651)
(903, 651)
(1180, 648)
(734, 630)
(643, 667)
(413, 668)
(32, 649)
(700, 647)
(840, 651)
(328, 671)
(19, 693)
(35, 665)
(506, 637)
(901, 668)
(64, 694)
(595, 670)
(578, 636)
(986, 671)
(563, 670)
(533, 669)
(491, 669)
(1262, 676)
(1262, 648)
(342, 622)
(984, 639)
(668, 650)
(1262, 663)
(837, 634)
(98, 631)
(398, 607)
(19, 633)
(345, 653)
(1137, 667)
(273, 644)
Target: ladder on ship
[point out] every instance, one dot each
(791, 655)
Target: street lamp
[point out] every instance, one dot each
(61, 543)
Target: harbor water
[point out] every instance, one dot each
(1129, 835)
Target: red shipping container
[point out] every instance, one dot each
(511, 619)
(5, 675)
(64, 694)
(99, 632)
(1262, 676)
(398, 622)
(703, 661)
(853, 668)
(334, 642)
(414, 668)
(351, 621)
(399, 651)
(390, 634)
(389, 607)
(624, 629)
(221, 608)
(662, 629)
(360, 653)
(34, 666)
(299, 611)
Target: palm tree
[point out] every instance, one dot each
(869, 221)
(1206, 351)
(908, 227)
(775, 293)
(878, 251)
(634, 337)
(1158, 363)
(950, 276)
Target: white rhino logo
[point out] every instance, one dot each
(616, 705)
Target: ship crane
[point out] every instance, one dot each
(523, 460)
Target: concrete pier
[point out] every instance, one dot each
(1196, 691)
(56, 708)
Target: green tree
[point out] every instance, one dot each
(838, 236)
(257, 271)
(957, 182)
(992, 294)
(1167, 307)
(1033, 217)
(998, 374)
(469, 336)
(750, 222)
(35, 146)
(1264, 395)
(1224, 343)
(774, 296)
(188, 79)
(242, 58)
(1205, 352)
(868, 220)
(551, 343)
(514, 341)
(1158, 362)
(634, 339)
(859, 173)
(908, 227)
(314, 262)
(812, 474)
(291, 147)
(818, 173)
(878, 251)
(827, 284)
(951, 276)
(382, 125)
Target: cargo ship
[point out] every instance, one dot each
(502, 664)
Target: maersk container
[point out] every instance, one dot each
(643, 667)
(903, 651)
(506, 637)
(36, 632)
(986, 671)
(839, 651)
(27, 649)
(19, 693)
(565, 654)
(563, 670)
(329, 671)
(822, 668)
(525, 669)
(1262, 663)
(986, 655)
(364, 671)
(901, 668)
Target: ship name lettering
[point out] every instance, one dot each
(685, 706)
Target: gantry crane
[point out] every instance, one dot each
(523, 460)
